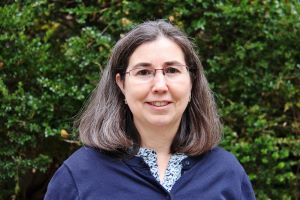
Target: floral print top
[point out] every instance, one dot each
(173, 171)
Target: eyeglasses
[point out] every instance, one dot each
(172, 72)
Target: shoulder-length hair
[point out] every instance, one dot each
(106, 121)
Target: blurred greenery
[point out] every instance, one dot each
(52, 52)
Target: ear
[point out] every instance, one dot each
(120, 82)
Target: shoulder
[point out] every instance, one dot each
(221, 172)
(83, 156)
(218, 161)
(62, 185)
(219, 156)
(84, 171)
(219, 152)
(89, 161)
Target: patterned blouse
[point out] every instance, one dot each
(173, 171)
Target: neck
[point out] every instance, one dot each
(157, 138)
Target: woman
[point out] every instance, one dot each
(151, 130)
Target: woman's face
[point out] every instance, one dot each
(158, 100)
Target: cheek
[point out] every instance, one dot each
(182, 91)
(135, 94)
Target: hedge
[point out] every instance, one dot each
(52, 53)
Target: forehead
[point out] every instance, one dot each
(157, 52)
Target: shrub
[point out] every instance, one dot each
(51, 53)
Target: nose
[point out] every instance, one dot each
(159, 82)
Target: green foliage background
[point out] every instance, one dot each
(52, 52)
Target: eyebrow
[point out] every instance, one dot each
(172, 63)
(145, 64)
(142, 64)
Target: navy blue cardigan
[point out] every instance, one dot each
(90, 174)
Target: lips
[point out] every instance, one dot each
(159, 103)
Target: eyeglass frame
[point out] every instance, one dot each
(187, 68)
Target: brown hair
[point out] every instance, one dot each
(106, 122)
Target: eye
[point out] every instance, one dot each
(172, 70)
(143, 72)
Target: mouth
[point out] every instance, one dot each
(159, 103)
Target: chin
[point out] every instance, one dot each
(161, 122)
